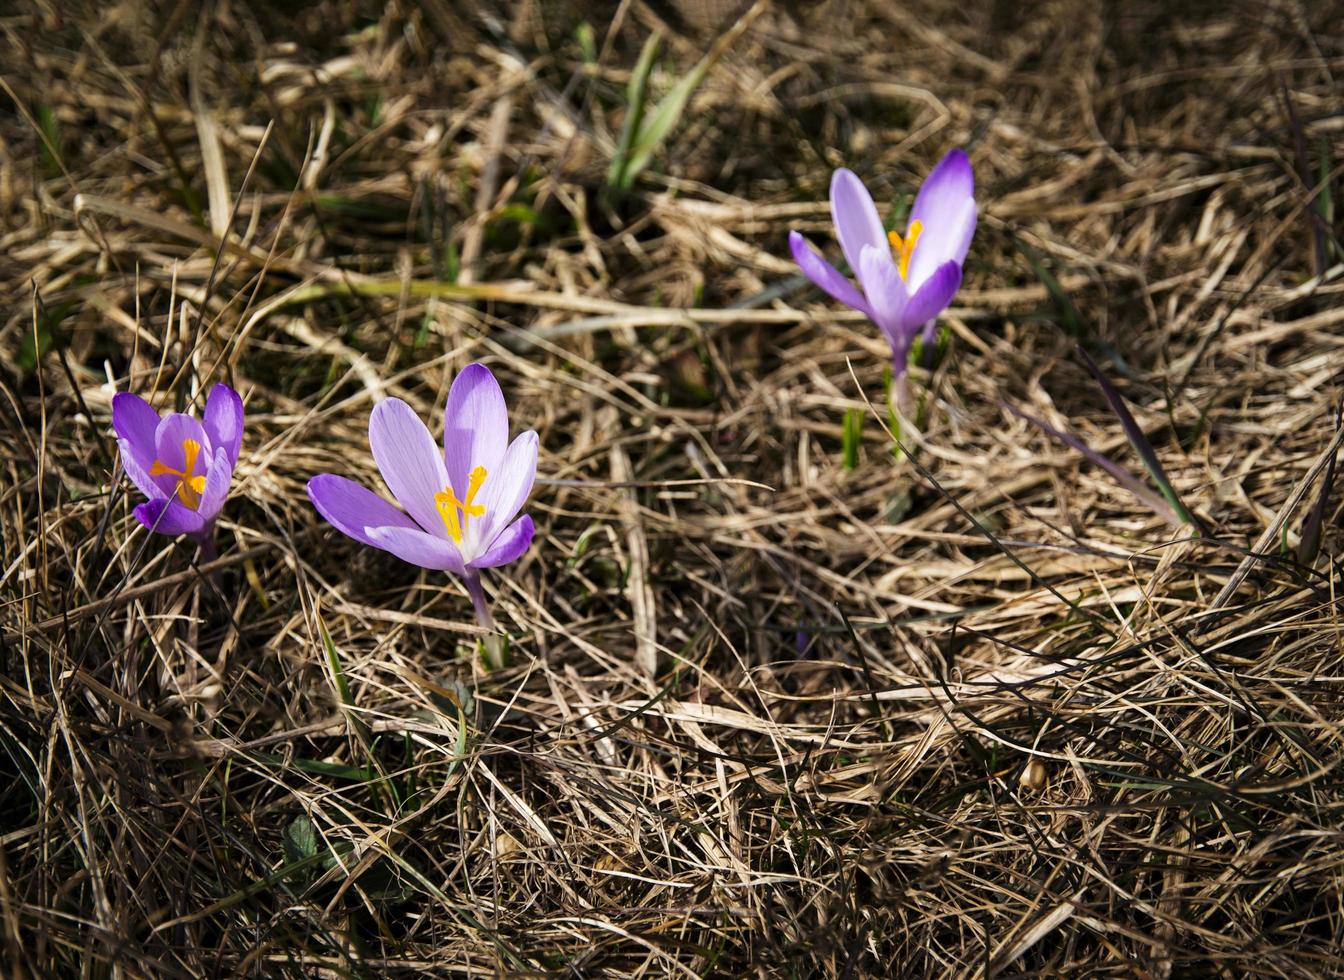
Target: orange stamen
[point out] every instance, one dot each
(189, 486)
(455, 512)
(905, 248)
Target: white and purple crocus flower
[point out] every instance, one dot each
(904, 281)
(182, 464)
(460, 501)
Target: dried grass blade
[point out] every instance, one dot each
(643, 606)
(212, 156)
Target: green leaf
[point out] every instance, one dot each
(1325, 200)
(587, 39)
(452, 262)
(52, 151)
(852, 437)
(300, 839)
(334, 665)
(653, 130)
(1139, 440)
(342, 685)
(520, 213)
(635, 92)
(1309, 545)
(1068, 313)
(47, 334)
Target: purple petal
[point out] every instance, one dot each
(824, 275)
(135, 422)
(856, 222)
(350, 508)
(138, 471)
(886, 293)
(509, 545)
(945, 190)
(945, 207)
(223, 421)
(168, 517)
(506, 489)
(932, 297)
(410, 461)
(475, 426)
(173, 431)
(216, 486)
(417, 547)
(948, 240)
(170, 449)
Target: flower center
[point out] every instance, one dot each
(189, 486)
(904, 248)
(456, 512)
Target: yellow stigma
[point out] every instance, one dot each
(189, 486)
(905, 248)
(455, 512)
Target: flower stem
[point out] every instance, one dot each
(901, 395)
(206, 553)
(494, 642)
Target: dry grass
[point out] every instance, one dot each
(766, 716)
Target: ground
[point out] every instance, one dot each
(779, 701)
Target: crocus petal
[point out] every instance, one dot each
(350, 508)
(945, 209)
(508, 545)
(417, 547)
(135, 423)
(944, 191)
(947, 238)
(507, 489)
(173, 431)
(170, 449)
(216, 486)
(932, 297)
(410, 461)
(168, 517)
(824, 275)
(223, 421)
(138, 470)
(886, 293)
(475, 426)
(856, 222)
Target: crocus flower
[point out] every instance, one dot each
(182, 464)
(904, 281)
(460, 501)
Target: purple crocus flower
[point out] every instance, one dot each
(183, 465)
(902, 293)
(460, 502)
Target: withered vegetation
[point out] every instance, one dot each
(970, 711)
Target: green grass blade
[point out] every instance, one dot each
(636, 92)
(336, 671)
(654, 130)
(1138, 439)
(1122, 476)
(1309, 546)
(852, 437)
